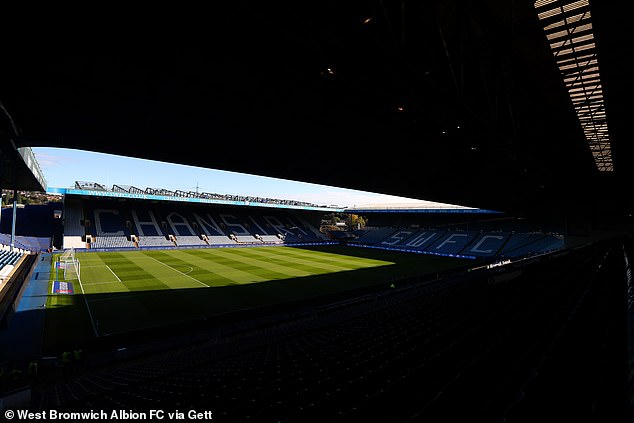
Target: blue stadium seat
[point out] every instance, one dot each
(486, 244)
(452, 242)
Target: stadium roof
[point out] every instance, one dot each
(94, 189)
(446, 100)
(415, 207)
(568, 27)
(19, 168)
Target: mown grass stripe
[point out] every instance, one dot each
(161, 295)
(176, 270)
(211, 273)
(319, 265)
(140, 274)
(319, 255)
(96, 278)
(262, 268)
(265, 268)
(306, 262)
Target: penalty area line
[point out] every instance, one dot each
(115, 275)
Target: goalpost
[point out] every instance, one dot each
(70, 264)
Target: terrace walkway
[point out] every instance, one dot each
(25, 332)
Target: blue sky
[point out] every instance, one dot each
(62, 167)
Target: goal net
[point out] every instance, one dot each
(70, 265)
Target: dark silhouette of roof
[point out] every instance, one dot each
(452, 101)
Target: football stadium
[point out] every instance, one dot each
(502, 292)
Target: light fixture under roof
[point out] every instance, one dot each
(568, 28)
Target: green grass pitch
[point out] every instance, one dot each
(123, 291)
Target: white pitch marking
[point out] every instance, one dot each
(184, 274)
(92, 320)
(115, 275)
(99, 283)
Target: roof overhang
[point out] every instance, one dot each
(447, 101)
(88, 193)
(19, 169)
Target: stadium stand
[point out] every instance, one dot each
(487, 244)
(375, 236)
(146, 223)
(480, 244)
(537, 245)
(155, 241)
(452, 242)
(110, 242)
(9, 258)
(35, 229)
(107, 229)
(399, 237)
(340, 235)
(104, 224)
(409, 354)
(26, 243)
(73, 217)
(269, 239)
(190, 240)
(420, 240)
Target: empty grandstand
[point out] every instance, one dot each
(461, 243)
(104, 227)
(459, 232)
(107, 222)
(161, 271)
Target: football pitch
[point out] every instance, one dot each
(119, 292)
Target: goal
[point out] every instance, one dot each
(70, 265)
